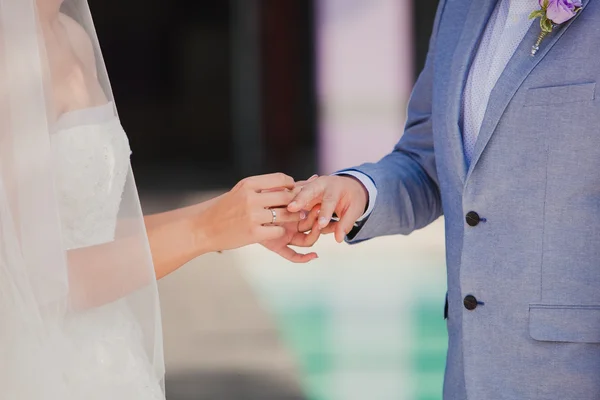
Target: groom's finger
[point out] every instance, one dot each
(330, 228)
(308, 223)
(329, 203)
(347, 222)
(309, 196)
(309, 180)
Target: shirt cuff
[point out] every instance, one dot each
(368, 183)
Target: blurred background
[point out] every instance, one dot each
(211, 91)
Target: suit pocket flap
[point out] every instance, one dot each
(560, 94)
(564, 323)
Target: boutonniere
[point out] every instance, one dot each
(552, 14)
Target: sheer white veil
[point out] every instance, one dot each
(76, 322)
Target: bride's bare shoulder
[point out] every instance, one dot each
(80, 41)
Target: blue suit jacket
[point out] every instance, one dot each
(532, 262)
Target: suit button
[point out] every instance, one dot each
(472, 218)
(470, 302)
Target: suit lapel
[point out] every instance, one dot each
(519, 67)
(477, 17)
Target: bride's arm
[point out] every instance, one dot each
(232, 220)
(106, 272)
(240, 217)
(172, 239)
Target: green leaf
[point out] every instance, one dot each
(536, 14)
(546, 24)
(545, 6)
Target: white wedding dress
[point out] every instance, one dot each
(102, 360)
(91, 155)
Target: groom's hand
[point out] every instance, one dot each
(343, 195)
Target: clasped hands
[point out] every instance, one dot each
(303, 210)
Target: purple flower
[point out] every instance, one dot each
(560, 11)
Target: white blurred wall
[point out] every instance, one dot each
(364, 72)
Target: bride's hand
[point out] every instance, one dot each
(245, 214)
(304, 233)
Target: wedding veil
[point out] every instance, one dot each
(79, 310)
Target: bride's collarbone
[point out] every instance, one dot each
(72, 92)
(75, 88)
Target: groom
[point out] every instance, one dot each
(506, 144)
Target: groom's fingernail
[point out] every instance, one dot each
(322, 222)
(293, 204)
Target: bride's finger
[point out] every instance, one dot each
(267, 232)
(279, 198)
(279, 189)
(278, 216)
(295, 257)
(306, 239)
(294, 190)
(270, 181)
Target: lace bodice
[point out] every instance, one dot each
(104, 357)
(91, 154)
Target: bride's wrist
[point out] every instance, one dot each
(200, 232)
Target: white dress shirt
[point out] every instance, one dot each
(507, 26)
(504, 32)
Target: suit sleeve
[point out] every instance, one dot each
(406, 179)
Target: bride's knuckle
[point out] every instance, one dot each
(248, 201)
(284, 178)
(244, 183)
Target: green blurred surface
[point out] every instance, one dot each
(362, 322)
(306, 329)
(429, 350)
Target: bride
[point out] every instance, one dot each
(78, 260)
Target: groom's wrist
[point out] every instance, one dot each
(371, 191)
